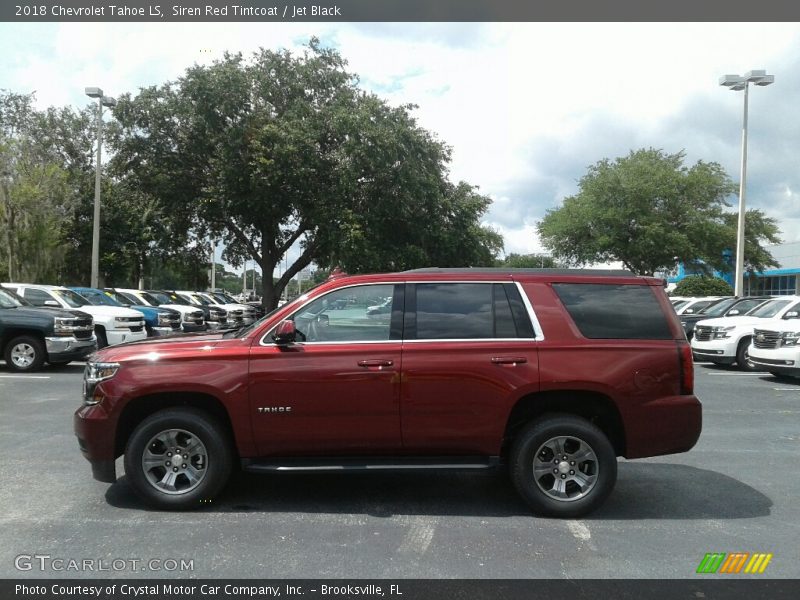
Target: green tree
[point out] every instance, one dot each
(649, 211)
(285, 149)
(702, 285)
(34, 194)
(528, 261)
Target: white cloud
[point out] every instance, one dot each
(499, 94)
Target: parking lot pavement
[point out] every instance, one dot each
(737, 491)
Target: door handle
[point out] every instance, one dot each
(378, 363)
(509, 360)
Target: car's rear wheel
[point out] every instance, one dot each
(178, 458)
(563, 466)
(25, 354)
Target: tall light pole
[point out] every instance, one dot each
(739, 83)
(95, 92)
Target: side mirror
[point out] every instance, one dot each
(52, 303)
(792, 314)
(285, 333)
(733, 313)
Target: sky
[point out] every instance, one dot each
(526, 107)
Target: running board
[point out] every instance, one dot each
(311, 464)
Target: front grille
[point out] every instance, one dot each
(136, 328)
(702, 333)
(763, 338)
(83, 335)
(235, 312)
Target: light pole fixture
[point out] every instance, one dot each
(96, 92)
(738, 83)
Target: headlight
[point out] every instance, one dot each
(163, 319)
(63, 326)
(723, 332)
(791, 338)
(94, 374)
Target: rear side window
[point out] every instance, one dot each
(606, 311)
(468, 311)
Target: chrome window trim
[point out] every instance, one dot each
(537, 329)
(310, 300)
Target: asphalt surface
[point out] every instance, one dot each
(738, 490)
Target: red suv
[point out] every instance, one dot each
(552, 373)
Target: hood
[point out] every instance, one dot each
(181, 308)
(152, 348)
(38, 312)
(110, 311)
(781, 325)
(743, 321)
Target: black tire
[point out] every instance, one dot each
(216, 471)
(743, 356)
(102, 340)
(25, 354)
(530, 445)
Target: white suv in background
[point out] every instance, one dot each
(727, 340)
(776, 345)
(112, 325)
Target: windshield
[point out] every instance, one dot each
(718, 309)
(219, 298)
(148, 297)
(679, 304)
(11, 300)
(770, 309)
(98, 298)
(160, 298)
(195, 299)
(129, 299)
(71, 298)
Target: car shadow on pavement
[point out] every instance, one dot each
(675, 491)
(785, 380)
(643, 491)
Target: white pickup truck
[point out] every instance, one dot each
(112, 325)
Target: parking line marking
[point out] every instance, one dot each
(739, 374)
(24, 376)
(786, 389)
(579, 530)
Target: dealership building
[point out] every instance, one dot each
(780, 281)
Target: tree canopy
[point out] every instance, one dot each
(650, 212)
(283, 149)
(702, 285)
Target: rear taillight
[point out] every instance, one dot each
(687, 368)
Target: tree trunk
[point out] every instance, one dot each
(271, 293)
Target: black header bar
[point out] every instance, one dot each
(398, 10)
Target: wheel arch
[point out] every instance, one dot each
(138, 409)
(595, 407)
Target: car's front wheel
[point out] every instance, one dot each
(25, 354)
(563, 466)
(178, 458)
(743, 356)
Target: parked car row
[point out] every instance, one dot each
(57, 324)
(758, 333)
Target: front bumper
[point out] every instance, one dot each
(722, 351)
(94, 430)
(777, 360)
(62, 349)
(120, 336)
(665, 426)
(191, 327)
(161, 331)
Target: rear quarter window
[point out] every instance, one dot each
(609, 311)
